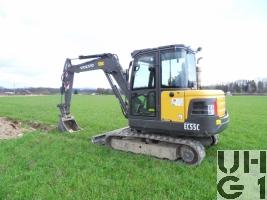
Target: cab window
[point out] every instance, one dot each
(144, 104)
(144, 72)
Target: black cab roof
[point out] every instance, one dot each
(174, 46)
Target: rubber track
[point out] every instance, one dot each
(128, 133)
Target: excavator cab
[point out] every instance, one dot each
(179, 107)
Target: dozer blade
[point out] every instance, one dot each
(101, 138)
(68, 124)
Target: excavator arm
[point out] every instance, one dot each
(107, 62)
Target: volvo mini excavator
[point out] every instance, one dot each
(169, 115)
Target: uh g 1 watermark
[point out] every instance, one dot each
(241, 174)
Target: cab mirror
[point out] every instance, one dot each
(199, 49)
(199, 59)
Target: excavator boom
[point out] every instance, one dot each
(107, 62)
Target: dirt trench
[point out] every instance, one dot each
(10, 128)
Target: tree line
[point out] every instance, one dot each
(241, 86)
(235, 87)
(100, 91)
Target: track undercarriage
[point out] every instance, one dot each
(189, 150)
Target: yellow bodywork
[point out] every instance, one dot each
(175, 108)
(100, 63)
(172, 108)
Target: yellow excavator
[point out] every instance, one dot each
(169, 115)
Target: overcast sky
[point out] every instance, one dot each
(37, 36)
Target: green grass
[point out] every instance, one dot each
(67, 166)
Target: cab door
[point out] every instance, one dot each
(173, 81)
(143, 87)
(172, 106)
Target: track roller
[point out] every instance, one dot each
(192, 154)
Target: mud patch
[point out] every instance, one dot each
(13, 128)
(40, 127)
(10, 128)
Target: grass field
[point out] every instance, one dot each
(67, 166)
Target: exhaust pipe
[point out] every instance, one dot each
(199, 76)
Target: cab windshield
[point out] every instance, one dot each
(178, 69)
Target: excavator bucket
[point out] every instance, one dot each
(68, 124)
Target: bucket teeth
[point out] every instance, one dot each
(68, 124)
